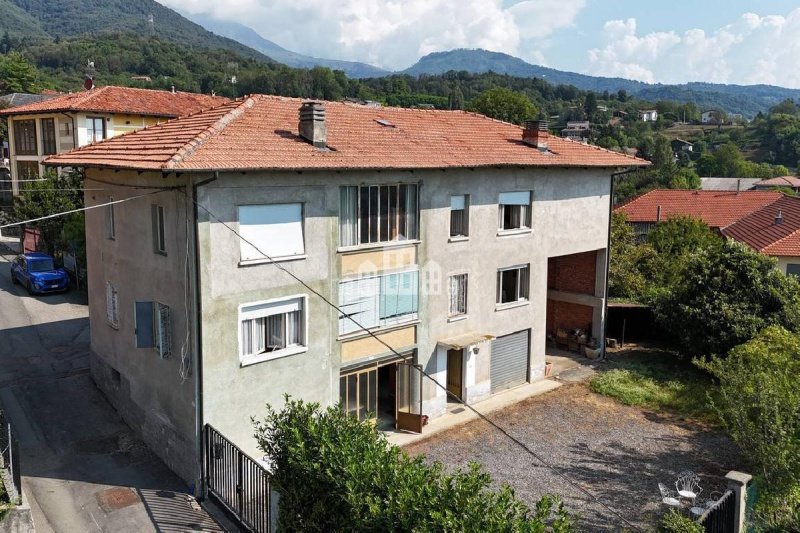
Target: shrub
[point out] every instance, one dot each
(334, 473)
(675, 522)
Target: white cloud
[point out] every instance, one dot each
(395, 33)
(752, 49)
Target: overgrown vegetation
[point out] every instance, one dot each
(759, 405)
(659, 381)
(675, 522)
(334, 473)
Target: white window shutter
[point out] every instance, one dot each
(271, 231)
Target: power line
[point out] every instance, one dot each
(56, 215)
(482, 416)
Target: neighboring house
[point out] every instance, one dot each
(728, 184)
(718, 209)
(711, 116)
(679, 145)
(773, 230)
(20, 99)
(782, 182)
(457, 240)
(39, 129)
(577, 130)
(648, 115)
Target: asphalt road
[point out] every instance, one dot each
(83, 468)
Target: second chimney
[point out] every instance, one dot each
(779, 217)
(312, 125)
(535, 133)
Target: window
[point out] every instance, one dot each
(793, 269)
(111, 230)
(48, 136)
(272, 329)
(459, 216)
(512, 284)
(458, 295)
(27, 170)
(378, 301)
(378, 213)
(153, 327)
(272, 231)
(515, 210)
(25, 137)
(159, 239)
(112, 305)
(95, 129)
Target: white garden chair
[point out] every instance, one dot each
(668, 497)
(688, 485)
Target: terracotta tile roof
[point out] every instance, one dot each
(261, 132)
(123, 100)
(760, 231)
(718, 209)
(782, 181)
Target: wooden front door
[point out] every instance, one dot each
(455, 372)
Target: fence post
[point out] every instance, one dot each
(737, 482)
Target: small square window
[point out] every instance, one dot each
(515, 210)
(271, 231)
(513, 284)
(272, 329)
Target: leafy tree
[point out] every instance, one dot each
(54, 194)
(335, 473)
(674, 241)
(590, 105)
(626, 277)
(455, 99)
(723, 297)
(662, 153)
(17, 75)
(759, 404)
(504, 104)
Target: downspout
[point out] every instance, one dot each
(201, 489)
(608, 256)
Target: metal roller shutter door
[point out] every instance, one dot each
(509, 363)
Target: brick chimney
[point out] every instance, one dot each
(312, 125)
(779, 217)
(535, 133)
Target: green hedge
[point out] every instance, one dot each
(334, 473)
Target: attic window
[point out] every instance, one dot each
(385, 123)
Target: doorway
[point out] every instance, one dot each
(455, 374)
(371, 393)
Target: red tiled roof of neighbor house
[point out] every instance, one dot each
(782, 181)
(718, 209)
(261, 132)
(123, 100)
(762, 232)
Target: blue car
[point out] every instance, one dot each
(37, 272)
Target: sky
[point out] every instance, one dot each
(720, 41)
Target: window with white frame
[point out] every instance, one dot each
(378, 301)
(272, 329)
(111, 230)
(458, 295)
(515, 210)
(153, 327)
(378, 213)
(112, 305)
(459, 215)
(95, 129)
(159, 229)
(512, 284)
(273, 231)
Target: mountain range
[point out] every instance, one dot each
(53, 19)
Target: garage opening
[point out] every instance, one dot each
(510, 360)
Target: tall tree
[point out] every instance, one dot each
(504, 104)
(17, 75)
(455, 99)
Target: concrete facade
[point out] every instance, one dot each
(569, 215)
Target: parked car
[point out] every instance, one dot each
(37, 272)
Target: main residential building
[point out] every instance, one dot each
(447, 244)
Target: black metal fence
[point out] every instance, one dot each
(9, 450)
(721, 517)
(237, 481)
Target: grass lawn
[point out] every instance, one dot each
(657, 380)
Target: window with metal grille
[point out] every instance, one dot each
(112, 305)
(48, 136)
(25, 137)
(512, 284)
(515, 210)
(272, 329)
(458, 295)
(459, 215)
(378, 213)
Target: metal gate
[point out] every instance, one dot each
(9, 457)
(509, 361)
(721, 517)
(237, 482)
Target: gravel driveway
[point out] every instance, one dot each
(618, 453)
